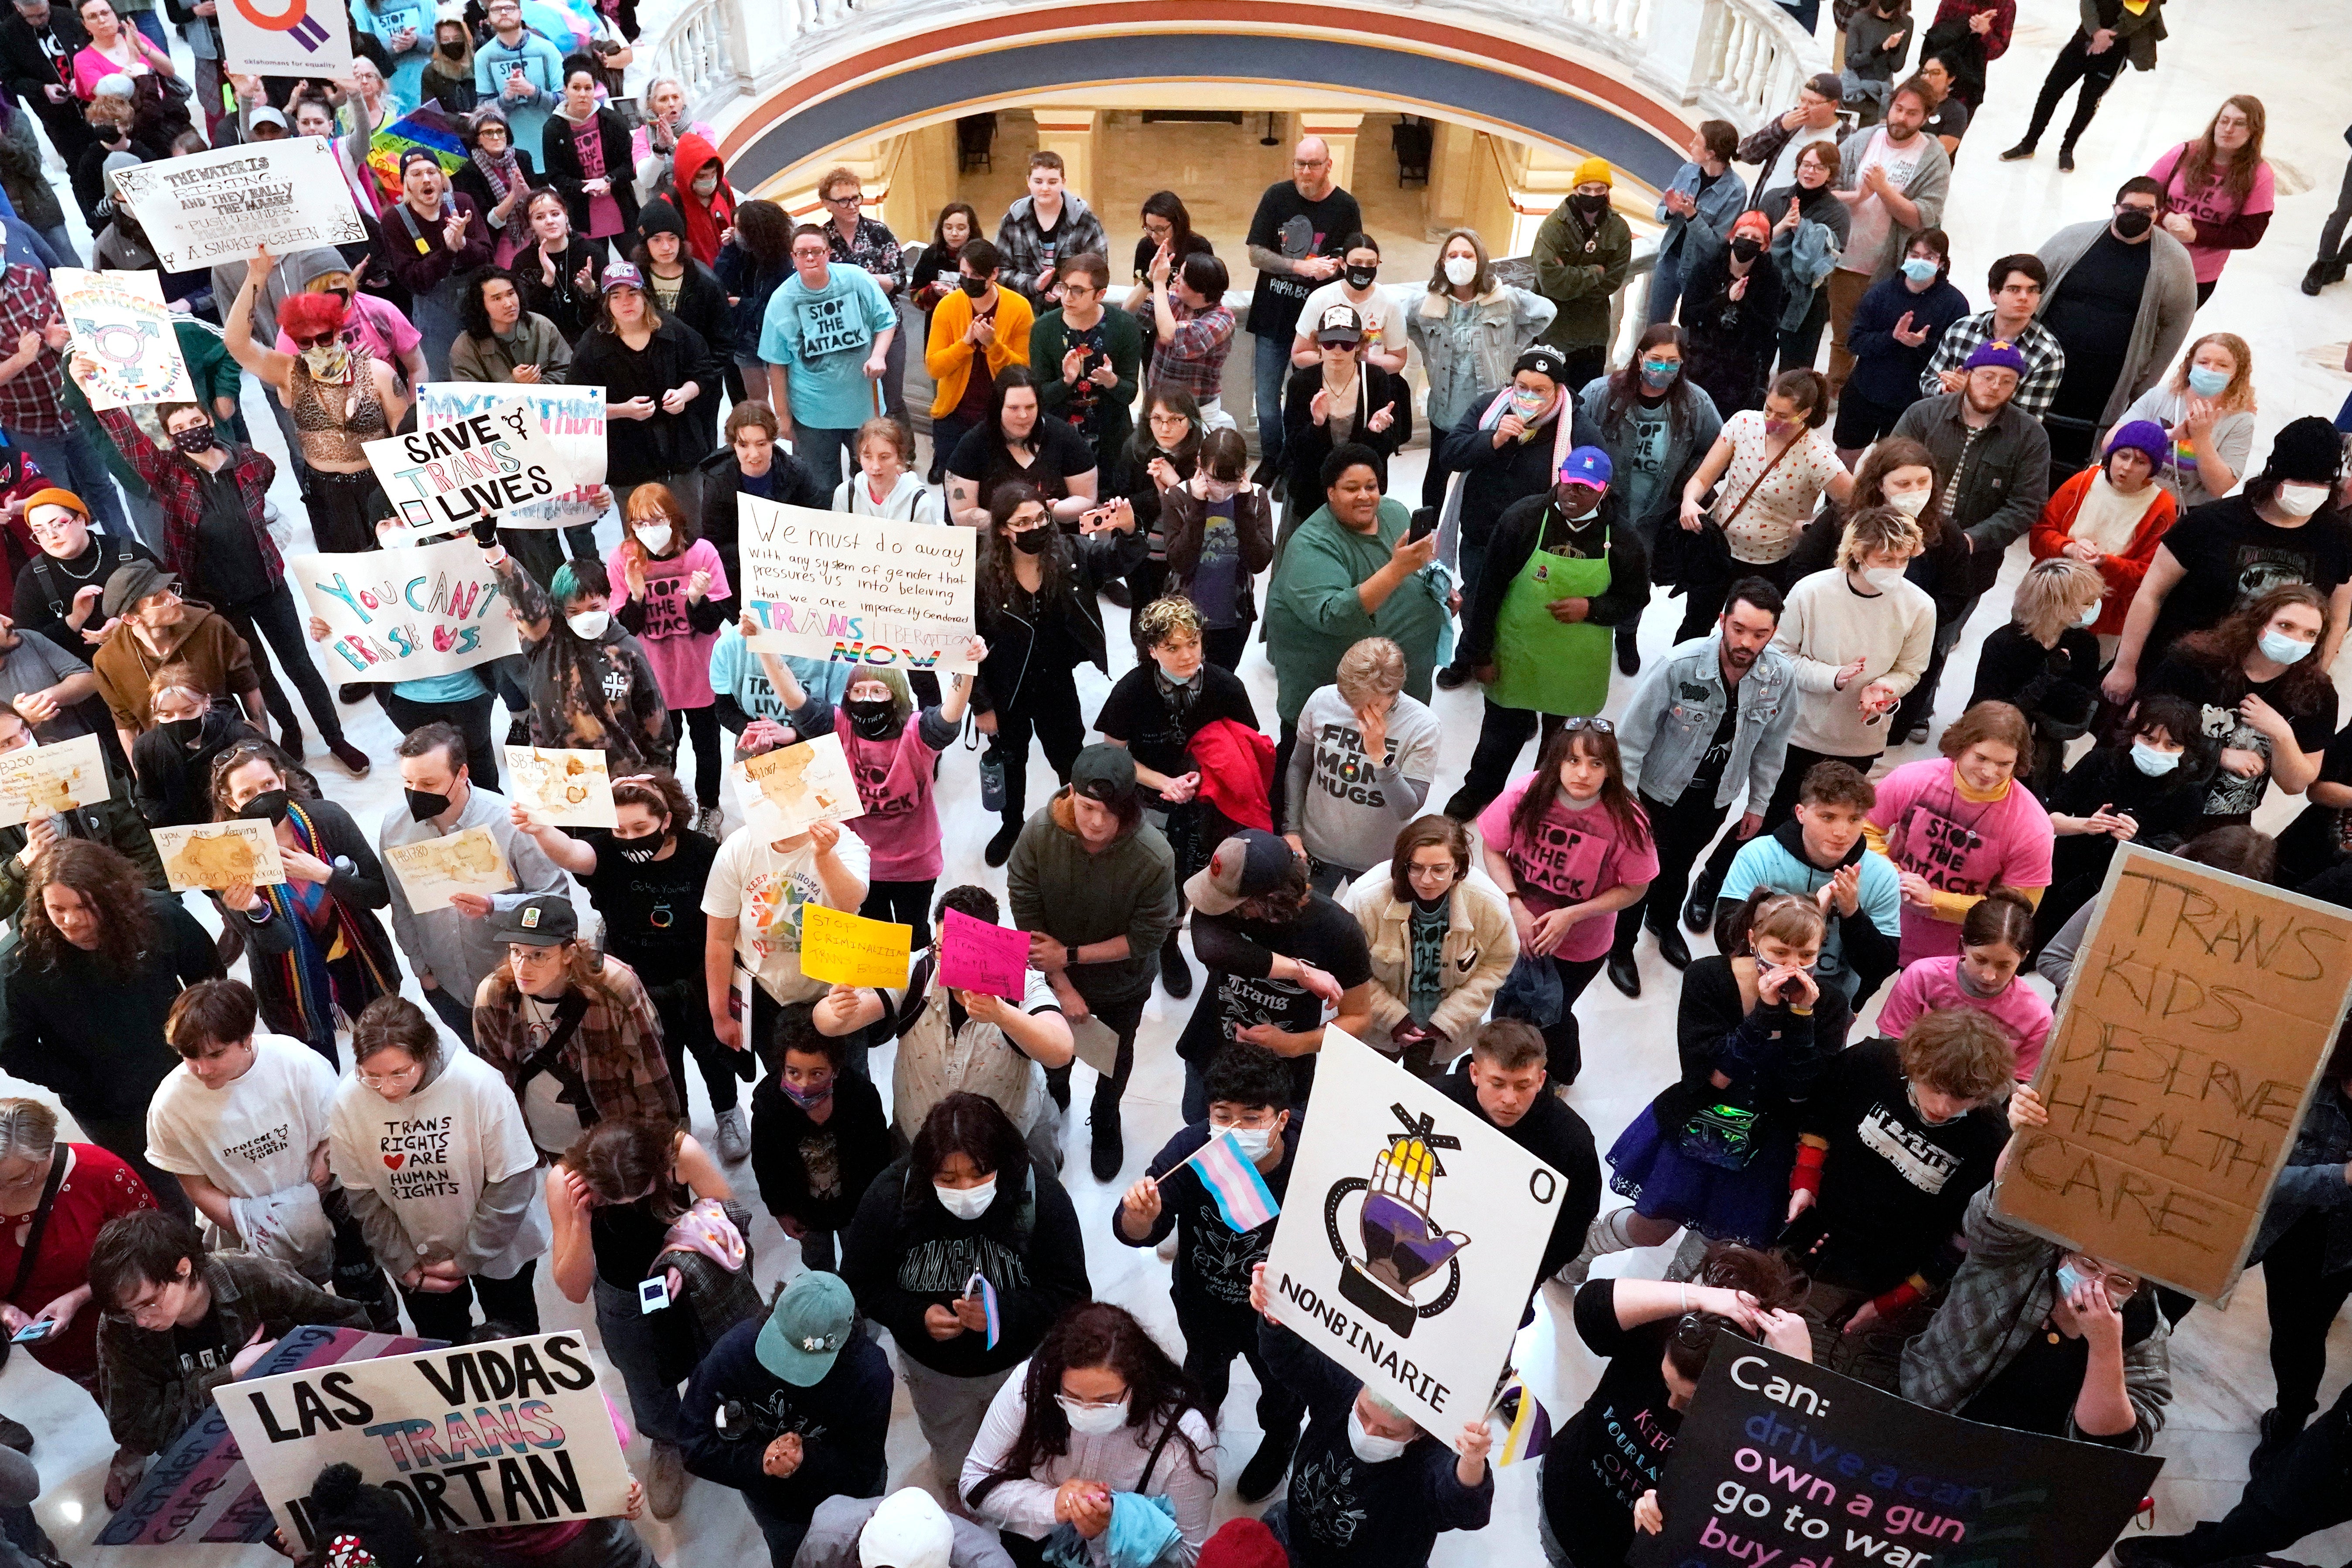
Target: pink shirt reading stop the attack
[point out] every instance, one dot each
(1570, 857)
(1933, 984)
(1959, 845)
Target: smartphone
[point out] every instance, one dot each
(653, 1295)
(1424, 523)
(31, 1331)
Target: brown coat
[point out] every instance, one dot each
(222, 664)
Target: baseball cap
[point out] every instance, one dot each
(1997, 354)
(1250, 862)
(132, 581)
(264, 115)
(1544, 360)
(1339, 324)
(908, 1529)
(542, 920)
(1828, 84)
(1586, 466)
(1104, 773)
(622, 274)
(805, 1329)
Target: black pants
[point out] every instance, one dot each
(2304, 1300)
(1121, 1020)
(685, 1013)
(450, 1315)
(1224, 645)
(472, 718)
(1210, 1347)
(537, 553)
(356, 1276)
(1584, 365)
(1564, 1042)
(1800, 347)
(902, 903)
(1502, 735)
(457, 1012)
(344, 508)
(2305, 1491)
(2331, 232)
(2075, 63)
(1286, 740)
(703, 724)
(273, 615)
(1702, 600)
(1677, 832)
(1782, 807)
(1047, 708)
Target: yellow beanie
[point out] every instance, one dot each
(1594, 169)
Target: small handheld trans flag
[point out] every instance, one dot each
(1243, 1200)
(978, 1285)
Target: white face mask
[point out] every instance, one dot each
(2300, 500)
(967, 1202)
(2152, 762)
(1883, 578)
(589, 625)
(1910, 504)
(1093, 1420)
(653, 536)
(2283, 648)
(1252, 1142)
(2091, 612)
(1371, 1447)
(1461, 270)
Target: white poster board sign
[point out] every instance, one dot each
(122, 329)
(215, 206)
(444, 477)
(784, 790)
(213, 855)
(513, 1432)
(1409, 1236)
(285, 37)
(826, 585)
(561, 787)
(398, 615)
(572, 417)
(41, 781)
(432, 869)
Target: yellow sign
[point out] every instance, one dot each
(850, 949)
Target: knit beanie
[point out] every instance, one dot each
(1594, 169)
(2308, 451)
(2142, 436)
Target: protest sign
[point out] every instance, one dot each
(212, 855)
(398, 615)
(125, 351)
(208, 208)
(567, 789)
(285, 37)
(862, 590)
(1783, 1464)
(571, 418)
(510, 1432)
(2201, 1010)
(1409, 1236)
(850, 949)
(786, 790)
(432, 870)
(444, 477)
(41, 781)
(199, 1488)
(982, 956)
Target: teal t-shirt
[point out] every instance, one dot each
(822, 337)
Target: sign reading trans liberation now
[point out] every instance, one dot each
(1409, 1236)
(2201, 1011)
(862, 590)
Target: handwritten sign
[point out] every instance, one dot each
(850, 949)
(979, 955)
(443, 477)
(299, 37)
(571, 417)
(510, 1432)
(398, 615)
(786, 790)
(824, 586)
(566, 788)
(212, 855)
(467, 862)
(41, 781)
(207, 207)
(2185, 1049)
(122, 336)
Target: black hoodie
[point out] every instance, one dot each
(1558, 1136)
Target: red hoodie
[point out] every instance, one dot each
(705, 222)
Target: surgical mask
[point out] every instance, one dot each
(2133, 222)
(873, 720)
(2299, 500)
(976, 287)
(182, 732)
(2284, 649)
(589, 625)
(705, 186)
(654, 537)
(1249, 1142)
(2070, 1279)
(641, 851)
(1461, 270)
(807, 1099)
(1921, 268)
(967, 1202)
(325, 361)
(1883, 578)
(1910, 504)
(1659, 374)
(270, 805)
(424, 804)
(1033, 541)
(2207, 382)
(1744, 248)
(1368, 1446)
(2090, 615)
(1362, 277)
(2153, 760)
(194, 439)
(1093, 1420)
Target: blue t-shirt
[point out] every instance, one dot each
(1765, 862)
(735, 671)
(822, 338)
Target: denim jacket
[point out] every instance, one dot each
(1678, 703)
(2313, 1181)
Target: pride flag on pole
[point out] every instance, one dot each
(1530, 1432)
(1243, 1200)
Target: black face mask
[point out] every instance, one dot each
(181, 731)
(976, 287)
(1746, 249)
(454, 48)
(423, 806)
(1033, 541)
(268, 806)
(878, 721)
(2132, 222)
(1362, 277)
(1589, 207)
(640, 851)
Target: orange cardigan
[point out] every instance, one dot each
(2053, 530)
(950, 359)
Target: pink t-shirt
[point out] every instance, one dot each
(1571, 857)
(1933, 984)
(376, 325)
(2212, 206)
(901, 825)
(680, 655)
(1960, 845)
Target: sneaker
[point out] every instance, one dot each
(352, 691)
(665, 1480)
(1109, 1150)
(2022, 149)
(1264, 1470)
(1626, 973)
(734, 1137)
(1917, 735)
(518, 732)
(1452, 677)
(1175, 975)
(1000, 849)
(711, 821)
(2065, 159)
(354, 761)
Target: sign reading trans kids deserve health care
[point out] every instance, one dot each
(2201, 1010)
(398, 615)
(209, 207)
(571, 417)
(826, 585)
(1781, 1464)
(510, 1432)
(445, 475)
(1409, 1236)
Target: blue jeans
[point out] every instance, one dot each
(829, 454)
(60, 240)
(1665, 287)
(72, 461)
(149, 23)
(1273, 371)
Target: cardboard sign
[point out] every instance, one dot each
(208, 208)
(430, 870)
(566, 788)
(213, 854)
(490, 1436)
(397, 614)
(786, 790)
(826, 586)
(285, 37)
(41, 781)
(1779, 1462)
(1409, 1236)
(122, 338)
(441, 478)
(850, 949)
(571, 417)
(2185, 1051)
(979, 955)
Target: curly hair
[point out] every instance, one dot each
(234, 757)
(112, 887)
(2222, 649)
(659, 791)
(1960, 1051)
(1165, 619)
(1773, 1281)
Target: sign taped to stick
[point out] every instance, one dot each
(208, 208)
(861, 590)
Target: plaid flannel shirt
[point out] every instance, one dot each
(33, 402)
(1194, 358)
(617, 1052)
(179, 484)
(2045, 361)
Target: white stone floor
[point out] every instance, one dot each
(2292, 55)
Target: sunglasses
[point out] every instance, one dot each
(1598, 726)
(323, 340)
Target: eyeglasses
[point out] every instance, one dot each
(1598, 726)
(854, 198)
(379, 1081)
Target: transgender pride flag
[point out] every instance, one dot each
(1243, 1200)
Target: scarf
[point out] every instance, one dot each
(1563, 442)
(302, 972)
(501, 173)
(2108, 518)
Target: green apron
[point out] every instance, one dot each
(1545, 665)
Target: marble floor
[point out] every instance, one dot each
(2284, 49)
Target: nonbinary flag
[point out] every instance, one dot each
(1530, 1432)
(978, 1285)
(1243, 1200)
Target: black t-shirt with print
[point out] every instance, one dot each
(2216, 695)
(1615, 1448)
(1289, 225)
(1213, 1260)
(1061, 451)
(2230, 556)
(1708, 775)
(204, 1345)
(1324, 935)
(1137, 714)
(653, 913)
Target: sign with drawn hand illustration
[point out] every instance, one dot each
(41, 781)
(124, 350)
(213, 854)
(430, 870)
(1409, 1236)
(2202, 1009)
(565, 788)
(786, 790)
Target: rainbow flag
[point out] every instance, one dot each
(978, 1285)
(1243, 1200)
(1530, 1432)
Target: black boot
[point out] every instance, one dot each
(2022, 149)
(1670, 945)
(1174, 972)
(1624, 973)
(1000, 849)
(1629, 652)
(1264, 1470)
(1109, 1146)
(1698, 909)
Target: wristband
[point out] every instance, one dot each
(1069, 956)
(1806, 1175)
(1903, 1295)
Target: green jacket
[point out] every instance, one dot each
(1060, 888)
(216, 374)
(2135, 35)
(1124, 340)
(1314, 614)
(1580, 269)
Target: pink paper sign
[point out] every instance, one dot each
(975, 955)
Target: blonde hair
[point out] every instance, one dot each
(1167, 617)
(2052, 595)
(1790, 918)
(839, 174)
(1879, 530)
(1372, 668)
(28, 1130)
(2239, 395)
